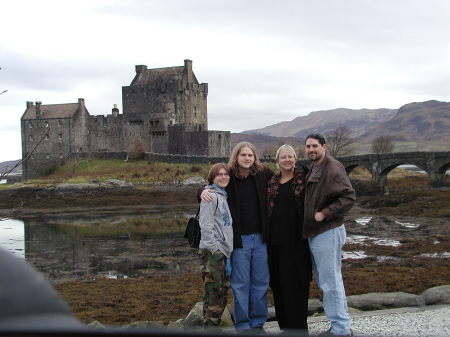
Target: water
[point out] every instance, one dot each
(12, 236)
(128, 246)
(115, 247)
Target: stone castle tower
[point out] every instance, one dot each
(164, 111)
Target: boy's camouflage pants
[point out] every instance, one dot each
(216, 286)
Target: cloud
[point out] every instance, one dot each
(265, 61)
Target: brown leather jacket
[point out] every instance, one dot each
(330, 192)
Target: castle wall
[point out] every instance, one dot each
(187, 139)
(186, 159)
(50, 139)
(218, 143)
(105, 133)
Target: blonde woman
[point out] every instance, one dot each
(289, 257)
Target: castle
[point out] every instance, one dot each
(164, 112)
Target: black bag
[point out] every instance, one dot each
(193, 233)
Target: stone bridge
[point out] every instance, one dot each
(435, 164)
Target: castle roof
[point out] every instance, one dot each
(158, 75)
(66, 110)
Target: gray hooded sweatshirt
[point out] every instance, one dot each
(216, 223)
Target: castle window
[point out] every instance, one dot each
(46, 136)
(30, 125)
(31, 138)
(61, 155)
(46, 124)
(47, 156)
(59, 123)
(60, 136)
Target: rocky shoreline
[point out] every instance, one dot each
(390, 249)
(358, 304)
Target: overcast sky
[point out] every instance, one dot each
(265, 61)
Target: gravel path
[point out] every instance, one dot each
(408, 322)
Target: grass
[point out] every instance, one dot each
(136, 172)
(170, 297)
(148, 226)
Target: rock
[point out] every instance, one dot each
(145, 325)
(353, 310)
(379, 301)
(73, 187)
(226, 320)
(195, 317)
(96, 325)
(314, 306)
(193, 181)
(177, 325)
(437, 295)
(271, 316)
(115, 183)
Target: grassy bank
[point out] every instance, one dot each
(135, 171)
(169, 297)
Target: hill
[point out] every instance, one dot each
(423, 121)
(264, 143)
(6, 165)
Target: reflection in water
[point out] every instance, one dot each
(364, 220)
(116, 247)
(12, 236)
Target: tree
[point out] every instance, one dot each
(382, 144)
(339, 141)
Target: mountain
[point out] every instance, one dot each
(264, 143)
(6, 165)
(423, 121)
(326, 120)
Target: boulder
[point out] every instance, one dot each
(193, 181)
(437, 295)
(176, 325)
(145, 325)
(379, 301)
(195, 317)
(116, 183)
(314, 306)
(271, 316)
(96, 325)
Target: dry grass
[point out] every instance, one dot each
(136, 172)
(169, 297)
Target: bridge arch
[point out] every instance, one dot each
(435, 164)
(349, 168)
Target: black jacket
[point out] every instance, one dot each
(260, 178)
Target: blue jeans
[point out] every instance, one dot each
(249, 282)
(326, 251)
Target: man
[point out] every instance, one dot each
(328, 196)
(247, 199)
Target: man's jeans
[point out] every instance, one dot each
(249, 282)
(326, 249)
